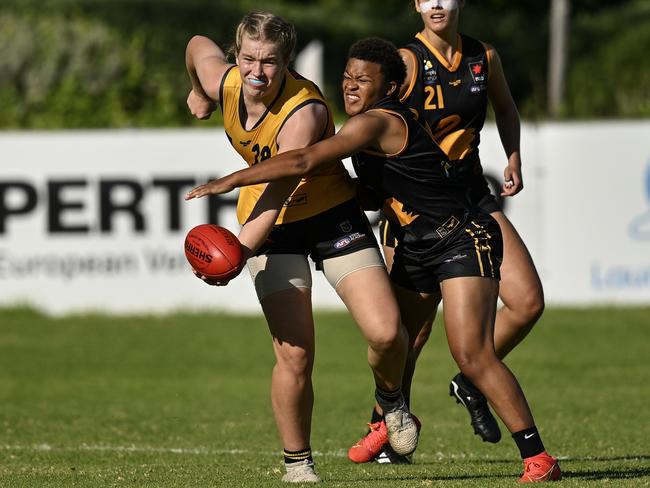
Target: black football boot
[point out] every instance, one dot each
(484, 424)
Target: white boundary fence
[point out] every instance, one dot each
(95, 220)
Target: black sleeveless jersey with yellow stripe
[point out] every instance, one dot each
(419, 185)
(451, 97)
(318, 192)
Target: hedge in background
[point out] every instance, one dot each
(119, 63)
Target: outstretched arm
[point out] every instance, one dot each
(507, 119)
(206, 64)
(359, 132)
(266, 212)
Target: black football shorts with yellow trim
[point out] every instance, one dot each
(389, 232)
(386, 236)
(341, 230)
(473, 250)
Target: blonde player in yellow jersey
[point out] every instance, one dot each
(267, 110)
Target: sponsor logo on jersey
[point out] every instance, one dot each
(451, 223)
(245, 143)
(477, 71)
(430, 76)
(477, 88)
(295, 200)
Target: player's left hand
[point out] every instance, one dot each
(213, 282)
(214, 187)
(513, 182)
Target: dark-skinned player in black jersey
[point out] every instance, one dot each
(446, 241)
(450, 79)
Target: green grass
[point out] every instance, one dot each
(183, 401)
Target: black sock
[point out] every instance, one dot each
(469, 385)
(291, 457)
(389, 400)
(375, 416)
(529, 442)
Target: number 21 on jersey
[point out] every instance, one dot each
(434, 98)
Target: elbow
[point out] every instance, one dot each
(192, 42)
(304, 164)
(197, 45)
(195, 39)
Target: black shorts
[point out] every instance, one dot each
(475, 250)
(388, 234)
(338, 231)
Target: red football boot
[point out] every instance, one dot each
(369, 446)
(540, 468)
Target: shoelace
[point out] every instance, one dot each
(374, 437)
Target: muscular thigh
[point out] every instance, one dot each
(469, 308)
(289, 317)
(416, 309)
(519, 278)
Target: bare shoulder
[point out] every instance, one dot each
(305, 126)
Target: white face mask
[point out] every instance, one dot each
(444, 4)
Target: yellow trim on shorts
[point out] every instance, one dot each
(478, 250)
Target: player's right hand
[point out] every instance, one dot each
(200, 106)
(214, 187)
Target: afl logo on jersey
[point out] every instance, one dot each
(430, 76)
(477, 71)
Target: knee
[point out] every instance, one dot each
(472, 363)
(388, 338)
(531, 307)
(295, 360)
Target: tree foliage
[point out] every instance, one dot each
(120, 63)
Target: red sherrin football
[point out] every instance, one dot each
(213, 251)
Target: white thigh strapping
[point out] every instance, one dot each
(276, 272)
(337, 268)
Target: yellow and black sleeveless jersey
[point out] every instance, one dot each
(421, 189)
(453, 99)
(315, 193)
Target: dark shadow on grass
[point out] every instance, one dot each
(629, 457)
(582, 474)
(617, 474)
(422, 478)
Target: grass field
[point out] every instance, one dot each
(183, 401)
